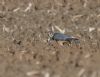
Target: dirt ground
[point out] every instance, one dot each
(24, 47)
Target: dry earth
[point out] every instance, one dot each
(24, 28)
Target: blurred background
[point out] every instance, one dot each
(24, 47)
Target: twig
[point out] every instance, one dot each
(28, 8)
(59, 29)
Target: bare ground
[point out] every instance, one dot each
(24, 27)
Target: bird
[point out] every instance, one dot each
(63, 38)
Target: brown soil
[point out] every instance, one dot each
(24, 28)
